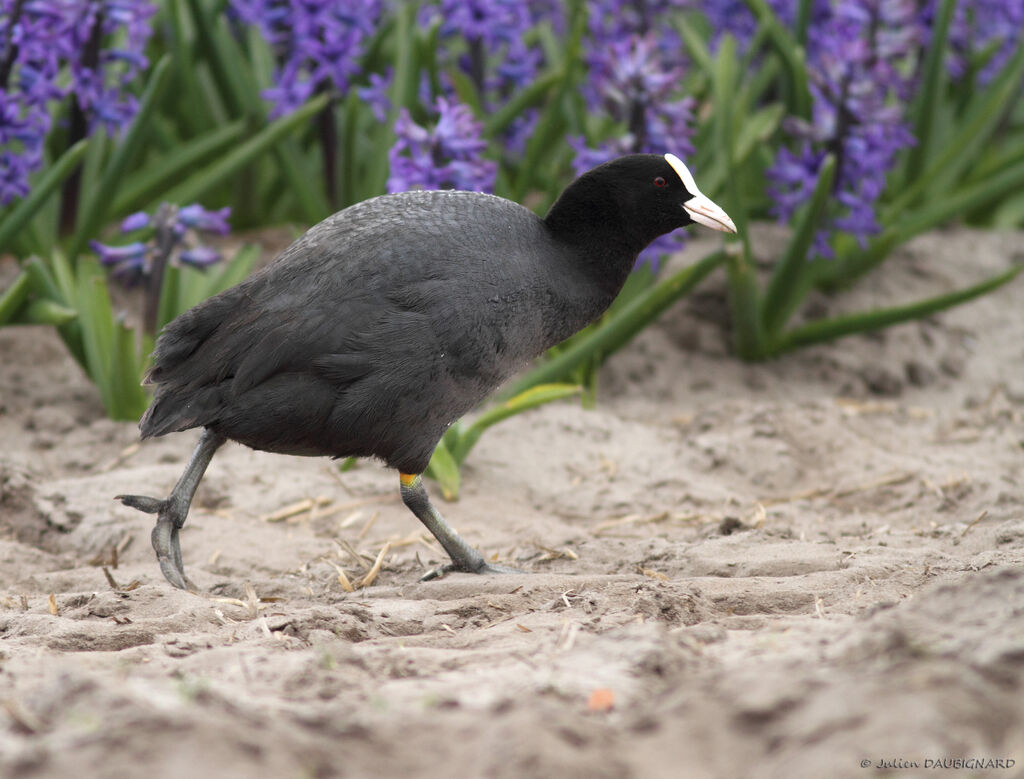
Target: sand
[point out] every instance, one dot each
(809, 567)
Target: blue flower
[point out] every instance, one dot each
(860, 57)
(174, 241)
(198, 218)
(444, 156)
(129, 263)
(136, 221)
(490, 41)
(200, 256)
(49, 50)
(319, 44)
(735, 18)
(976, 25)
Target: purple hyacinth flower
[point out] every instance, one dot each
(174, 241)
(734, 17)
(976, 26)
(446, 155)
(136, 221)
(198, 218)
(319, 44)
(493, 47)
(14, 172)
(200, 256)
(134, 253)
(129, 263)
(860, 57)
(376, 94)
(49, 50)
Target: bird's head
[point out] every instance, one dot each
(660, 190)
(639, 196)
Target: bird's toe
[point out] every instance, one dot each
(142, 503)
(168, 554)
(484, 568)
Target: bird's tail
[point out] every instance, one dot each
(172, 413)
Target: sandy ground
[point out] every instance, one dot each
(801, 569)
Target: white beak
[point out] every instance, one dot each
(701, 209)
(705, 211)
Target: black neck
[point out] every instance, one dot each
(591, 225)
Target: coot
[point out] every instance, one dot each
(386, 322)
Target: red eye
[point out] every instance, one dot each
(659, 182)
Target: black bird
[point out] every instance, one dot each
(388, 321)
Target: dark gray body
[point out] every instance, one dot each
(376, 329)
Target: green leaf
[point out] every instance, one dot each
(620, 327)
(445, 471)
(996, 160)
(465, 90)
(130, 399)
(169, 305)
(837, 327)
(97, 205)
(744, 305)
(262, 61)
(303, 182)
(532, 95)
(974, 131)
(791, 279)
(763, 81)
(792, 55)
(744, 293)
(724, 86)
(64, 276)
(20, 215)
(144, 186)
(756, 130)
(203, 181)
(531, 398)
(108, 346)
(962, 201)
(694, 43)
(925, 109)
(14, 297)
(43, 311)
(235, 84)
(803, 21)
(97, 323)
(725, 89)
(43, 282)
(99, 153)
(1010, 213)
(183, 48)
(56, 282)
(406, 82)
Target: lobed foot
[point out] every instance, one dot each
(165, 536)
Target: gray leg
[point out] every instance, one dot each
(464, 557)
(171, 513)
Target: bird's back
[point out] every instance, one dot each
(373, 331)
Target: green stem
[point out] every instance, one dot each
(864, 321)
